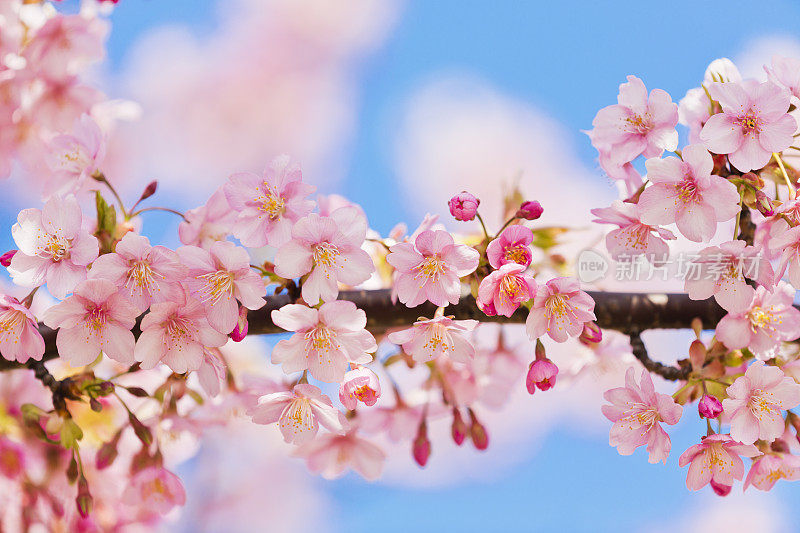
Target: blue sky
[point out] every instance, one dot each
(566, 58)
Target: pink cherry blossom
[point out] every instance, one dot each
(715, 460)
(542, 373)
(633, 238)
(212, 372)
(753, 124)
(695, 108)
(785, 71)
(431, 268)
(756, 400)
(154, 490)
(559, 310)
(770, 319)
(685, 192)
(95, 318)
(636, 125)
(53, 248)
(145, 274)
(218, 278)
(504, 290)
(464, 206)
(268, 205)
(330, 455)
(529, 210)
(430, 339)
(513, 245)
(20, 339)
(60, 102)
(637, 412)
(624, 174)
(359, 385)
(209, 223)
(720, 271)
(12, 458)
(329, 250)
(399, 423)
(771, 467)
(74, 157)
(786, 241)
(299, 413)
(66, 44)
(175, 333)
(326, 339)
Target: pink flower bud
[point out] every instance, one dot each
(764, 204)
(359, 385)
(530, 210)
(84, 501)
(697, 354)
(240, 331)
(721, 490)
(709, 406)
(591, 334)
(478, 433)
(5, 259)
(149, 191)
(542, 374)
(421, 449)
(464, 206)
(459, 428)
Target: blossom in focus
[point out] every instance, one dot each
(154, 490)
(326, 339)
(559, 310)
(74, 157)
(505, 289)
(431, 268)
(209, 223)
(268, 205)
(95, 318)
(542, 373)
(756, 400)
(463, 206)
(530, 210)
(770, 319)
(633, 237)
(715, 460)
(145, 274)
(637, 412)
(513, 245)
(329, 250)
(785, 71)
(685, 192)
(430, 339)
(53, 247)
(20, 339)
(695, 108)
(330, 455)
(771, 467)
(753, 124)
(709, 406)
(299, 413)
(359, 385)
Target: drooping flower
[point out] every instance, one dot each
(53, 248)
(326, 339)
(505, 289)
(431, 268)
(268, 205)
(715, 460)
(95, 318)
(542, 374)
(329, 250)
(695, 108)
(756, 400)
(513, 245)
(330, 455)
(786, 241)
(145, 274)
(771, 467)
(559, 310)
(770, 319)
(633, 238)
(753, 124)
(463, 206)
(636, 125)
(176, 333)
(637, 412)
(359, 385)
(154, 490)
(20, 339)
(74, 157)
(785, 71)
(299, 413)
(430, 339)
(218, 278)
(720, 271)
(685, 192)
(207, 224)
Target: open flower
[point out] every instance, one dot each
(326, 339)
(268, 205)
(633, 238)
(220, 276)
(786, 241)
(359, 385)
(154, 490)
(53, 248)
(695, 108)
(74, 157)
(299, 413)
(770, 319)
(20, 339)
(504, 290)
(95, 318)
(785, 71)
(145, 274)
(685, 192)
(756, 400)
(771, 467)
(430, 339)
(330, 455)
(753, 124)
(209, 223)
(715, 460)
(431, 268)
(637, 412)
(329, 250)
(513, 245)
(559, 310)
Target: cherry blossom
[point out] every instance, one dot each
(330, 455)
(65, 44)
(559, 310)
(771, 467)
(695, 108)
(463, 206)
(715, 460)
(504, 290)
(74, 157)
(20, 339)
(542, 374)
(207, 224)
(786, 241)
(359, 385)
(154, 490)
(429, 339)
(633, 237)
(212, 372)
(513, 245)
(785, 72)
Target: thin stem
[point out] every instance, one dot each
(509, 221)
(165, 209)
(483, 226)
(99, 176)
(792, 191)
(738, 218)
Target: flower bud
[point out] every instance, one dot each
(752, 179)
(719, 489)
(240, 331)
(709, 406)
(459, 428)
(478, 433)
(6, 258)
(106, 455)
(421, 449)
(149, 191)
(764, 204)
(542, 374)
(142, 432)
(84, 500)
(463, 206)
(697, 354)
(591, 334)
(530, 210)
